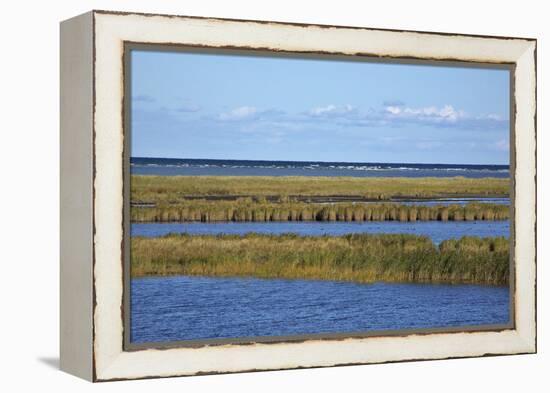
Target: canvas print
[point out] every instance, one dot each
(276, 196)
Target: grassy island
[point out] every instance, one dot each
(359, 258)
(174, 189)
(260, 198)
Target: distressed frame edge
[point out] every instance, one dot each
(526, 341)
(76, 196)
(305, 24)
(526, 215)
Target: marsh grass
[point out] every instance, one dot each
(246, 209)
(359, 257)
(173, 189)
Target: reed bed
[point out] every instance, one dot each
(173, 189)
(246, 209)
(360, 258)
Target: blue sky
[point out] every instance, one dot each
(190, 105)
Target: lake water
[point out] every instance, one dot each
(178, 308)
(202, 167)
(191, 308)
(436, 230)
(455, 201)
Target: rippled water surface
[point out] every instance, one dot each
(191, 308)
(202, 167)
(436, 230)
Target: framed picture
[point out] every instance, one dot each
(246, 195)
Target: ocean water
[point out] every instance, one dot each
(436, 230)
(192, 308)
(199, 167)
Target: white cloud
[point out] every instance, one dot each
(427, 114)
(346, 116)
(394, 110)
(449, 113)
(331, 109)
(240, 113)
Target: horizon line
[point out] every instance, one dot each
(315, 161)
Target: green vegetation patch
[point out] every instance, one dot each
(245, 209)
(173, 189)
(360, 258)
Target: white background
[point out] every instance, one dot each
(29, 197)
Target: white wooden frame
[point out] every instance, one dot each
(92, 151)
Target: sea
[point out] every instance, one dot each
(208, 167)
